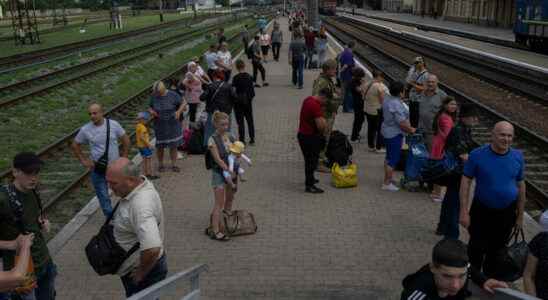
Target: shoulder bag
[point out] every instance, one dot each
(102, 164)
(104, 254)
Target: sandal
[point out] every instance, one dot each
(219, 236)
(161, 169)
(175, 169)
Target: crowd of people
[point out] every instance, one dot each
(392, 113)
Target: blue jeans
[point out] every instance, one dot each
(348, 103)
(157, 274)
(450, 208)
(101, 190)
(309, 56)
(46, 282)
(297, 72)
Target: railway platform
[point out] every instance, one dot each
(492, 41)
(354, 243)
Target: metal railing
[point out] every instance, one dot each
(510, 294)
(170, 284)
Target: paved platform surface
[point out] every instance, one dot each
(505, 34)
(344, 244)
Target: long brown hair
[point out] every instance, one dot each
(443, 109)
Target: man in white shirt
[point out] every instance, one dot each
(138, 218)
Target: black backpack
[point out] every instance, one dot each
(339, 149)
(223, 152)
(104, 254)
(196, 142)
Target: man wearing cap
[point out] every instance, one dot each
(21, 213)
(459, 144)
(416, 80)
(446, 275)
(94, 133)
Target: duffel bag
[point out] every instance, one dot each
(344, 177)
(239, 222)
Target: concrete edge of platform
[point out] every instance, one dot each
(83, 216)
(521, 67)
(446, 30)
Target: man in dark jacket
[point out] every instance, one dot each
(459, 144)
(446, 276)
(217, 96)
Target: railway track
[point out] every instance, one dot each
(63, 174)
(391, 59)
(17, 60)
(51, 81)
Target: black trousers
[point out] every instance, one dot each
(245, 112)
(276, 50)
(258, 66)
(489, 231)
(374, 136)
(414, 113)
(311, 145)
(192, 109)
(359, 118)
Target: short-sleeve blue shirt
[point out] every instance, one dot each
(393, 113)
(496, 175)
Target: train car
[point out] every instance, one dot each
(531, 25)
(328, 7)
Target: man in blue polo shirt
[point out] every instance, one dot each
(499, 197)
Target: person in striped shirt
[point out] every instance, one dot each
(447, 275)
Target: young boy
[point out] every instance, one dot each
(445, 277)
(143, 144)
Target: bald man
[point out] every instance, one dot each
(138, 218)
(499, 197)
(94, 134)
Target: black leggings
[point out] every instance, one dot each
(257, 65)
(192, 109)
(359, 118)
(245, 112)
(374, 136)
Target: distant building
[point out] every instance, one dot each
(398, 5)
(500, 13)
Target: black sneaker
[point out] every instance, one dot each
(265, 83)
(256, 85)
(251, 142)
(313, 190)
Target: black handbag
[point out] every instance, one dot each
(104, 254)
(102, 163)
(509, 262)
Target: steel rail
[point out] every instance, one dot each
(155, 46)
(529, 137)
(38, 55)
(526, 80)
(63, 144)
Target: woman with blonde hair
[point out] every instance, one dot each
(166, 107)
(218, 145)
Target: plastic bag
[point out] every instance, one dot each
(344, 177)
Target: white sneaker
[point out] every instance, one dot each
(390, 187)
(380, 151)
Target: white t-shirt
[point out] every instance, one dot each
(226, 57)
(211, 58)
(96, 137)
(139, 218)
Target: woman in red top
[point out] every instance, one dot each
(444, 121)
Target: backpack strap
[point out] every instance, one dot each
(223, 153)
(16, 207)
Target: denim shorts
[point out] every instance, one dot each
(217, 179)
(145, 152)
(393, 150)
